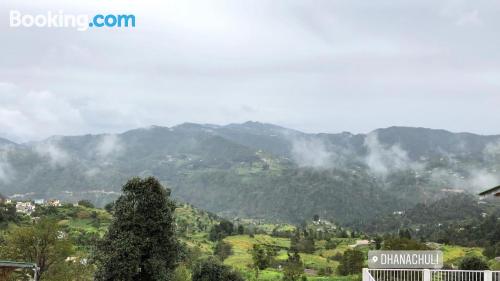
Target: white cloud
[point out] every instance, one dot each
(482, 179)
(311, 153)
(313, 67)
(383, 160)
(51, 150)
(109, 145)
(492, 149)
(470, 18)
(92, 172)
(26, 115)
(6, 170)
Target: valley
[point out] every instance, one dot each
(259, 170)
(84, 224)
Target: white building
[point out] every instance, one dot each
(25, 207)
(54, 203)
(39, 201)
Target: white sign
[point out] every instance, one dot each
(405, 259)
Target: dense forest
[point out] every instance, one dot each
(154, 238)
(259, 170)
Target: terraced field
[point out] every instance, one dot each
(84, 224)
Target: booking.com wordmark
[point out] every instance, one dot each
(79, 22)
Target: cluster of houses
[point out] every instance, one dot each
(28, 207)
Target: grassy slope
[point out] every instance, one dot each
(78, 221)
(452, 254)
(241, 259)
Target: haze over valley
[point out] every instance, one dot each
(259, 170)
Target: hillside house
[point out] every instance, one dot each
(54, 203)
(25, 207)
(39, 201)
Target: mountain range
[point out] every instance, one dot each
(259, 170)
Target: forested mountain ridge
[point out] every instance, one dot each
(4, 142)
(451, 209)
(259, 170)
(458, 219)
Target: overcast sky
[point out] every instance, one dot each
(316, 66)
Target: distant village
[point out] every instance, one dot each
(27, 207)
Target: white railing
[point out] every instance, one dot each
(495, 276)
(429, 275)
(460, 275)
(395, 275)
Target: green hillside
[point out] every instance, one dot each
(84, 224)
(259, 170)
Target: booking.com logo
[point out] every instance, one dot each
(62, 20)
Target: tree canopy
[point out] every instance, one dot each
(212, 270)
(352, 262)
(42, 243)
(141, 243)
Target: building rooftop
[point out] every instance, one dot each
(490, 191)
(14, 264)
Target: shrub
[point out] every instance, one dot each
(86, 203)
(212, 270)
(223, 250)
(473, 263)
(352, 262)
(331, 244)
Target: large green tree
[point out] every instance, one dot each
(43, 243)
(262, 257)
(294, 268)
(140, 244)
(223, 250)
(352, 262)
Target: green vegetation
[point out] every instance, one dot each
(95, 236)
(492, 250)
(43, 244)
(262, 257)
(255, 170)
(212, 270)
(140, 243)
(193, 230)
(403, 243)
(294, 268)
(223, 250)
(473, 263)
(352, 262)
(140, 226)
(453, 220)
(453, 254)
